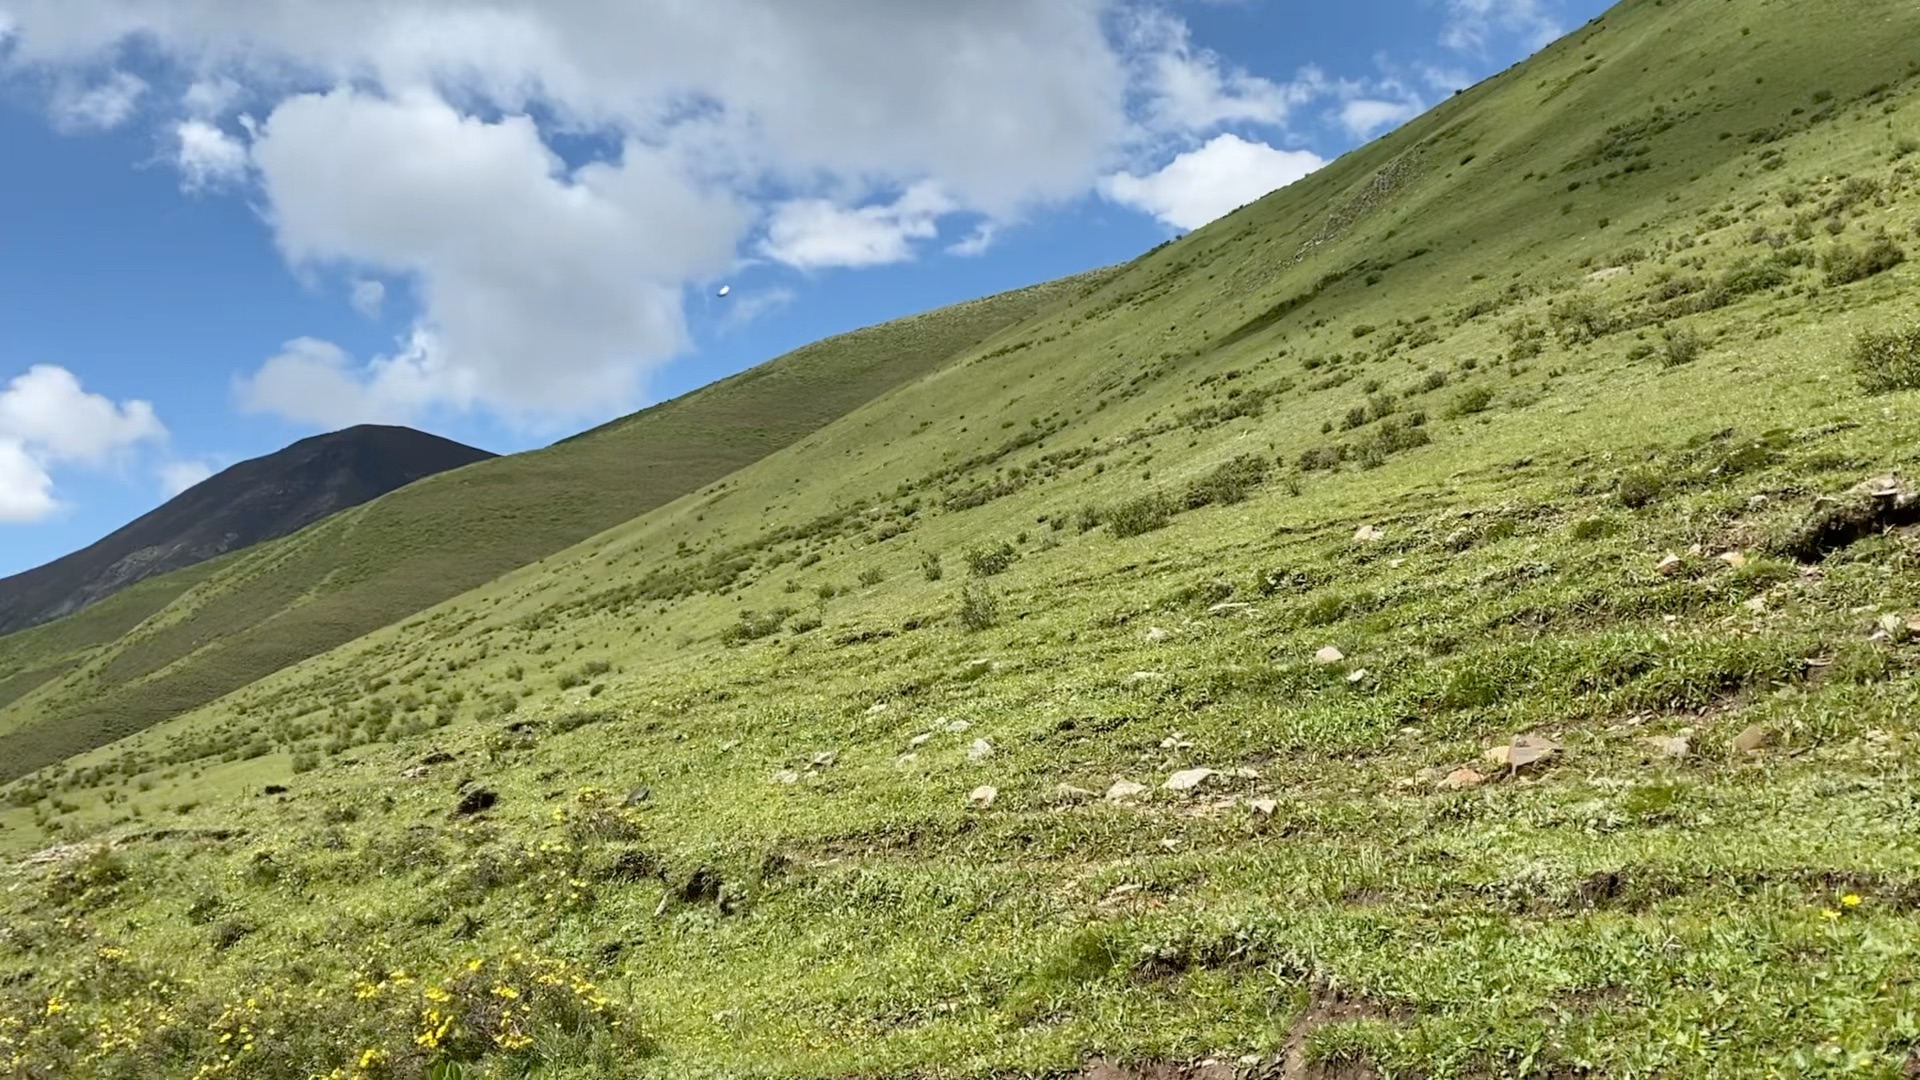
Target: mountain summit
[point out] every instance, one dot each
(256, 500)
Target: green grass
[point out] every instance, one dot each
(803, 890)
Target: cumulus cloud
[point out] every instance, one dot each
(1208, 182)
(976, 242)
(1366, 117)
(368, 296)
(1190, 89)
(1472, 24)
(100, 107)
(742, 310)
(206, 156)
(47, 420)
(812, 234)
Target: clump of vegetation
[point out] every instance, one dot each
(1137, 516)
(1579, 318)
(1638, 488)
(755, 625)
(1845, 264)
(930, 566)
(1679, 346)
(988, 561)
(1474, 399)
(871, 576)
(979, 608)
(1229, 482)
(1888, 360)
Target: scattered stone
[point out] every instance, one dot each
(476, 801)
(982, 797)
(958, 726)
(1245, 773)
(1733, 558)
(786, 776)
(1460, 779)
(919, 741)
(1357, 675)
(418, 772)
(1329, 655)
(1122, 790)
(1144, 676)
(438, 757)
(878, 707)
(1228, 608)
(980, 751)
(1367, 534)
(729, 746)
(1176, 741)
(825, 759)
(1522, 751)
(1188, 779)
(1757, 605)
(905, 761)
(1894, 627)
(1155, 635)
(1430, 776)
(1067, 793)
(1670, 746)
(975, 669)
(1696, 550)
(1263, 807)
(638, 795)
(1668, 566)
(1753, 739)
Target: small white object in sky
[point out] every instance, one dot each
(725, 289)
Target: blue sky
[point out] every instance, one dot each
(229, 224)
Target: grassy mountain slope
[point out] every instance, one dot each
(131, 665)
(1549, 425)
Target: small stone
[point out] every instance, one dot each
(1757, 605)
(1228, 608)
(786, 776)
(1069, 794)
(418, 772)
(1668, 566)
(825, 759)
(1155, 635)
(1245, 773)
(1522, 751)
(919, 741)
(1396, 563)
(1329, 655)
(1696, 550)
(905, 761)
(958, 726)
(1122, 790)
(1367, 534)
(639, 795)
(1188, 779)
(980, 751)
(1733, 558)
(1460, 779)
(1753, 739)
(1144, 676)
(982, 797)
(1357, 675)
(1263, 807)
(974, 669)
(1175, 741)
(1894, 626)
(878, 707)
(1430, 776)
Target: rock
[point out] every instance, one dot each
(982, 797)
(638, 795)
(1245, 773)
(919, 741)
(786, 776)
(1674, 746)
(1367, 534)
(1144, 676)
(1522, 751)
(1328, 655)
(1430, 776)
(1228, 608)
(958, 726)
(1068, 794)
(974, 669)
(1894, 626)
(1757, 605)
(905, 761)
(1668, 566)
(1263, 807)
(825, 759)
(418, 772)
(1176, 741)
(1122, 790)
(1188, 779)
(878, 707)
(1155, 635)
(1733, 558)
(1753, 739)
(980, 751)
(1357, 675)
(1460, 779)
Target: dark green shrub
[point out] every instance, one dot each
(1137, 516)
(1473, 400)
(754, 625)
(872, 576)
(1679, 346)
(978, 607)
(1230, 482)
(1845, 264)
(930, 567)
(1637, 489)
(1885, 361)
(986, 562)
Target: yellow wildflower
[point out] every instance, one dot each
(1851, 900)
(1829, 913)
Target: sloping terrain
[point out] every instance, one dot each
(1452, 618)
(64, 690)
(256, 500)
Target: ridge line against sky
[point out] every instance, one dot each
(237, 222)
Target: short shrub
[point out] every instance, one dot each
(988, 561)
(1230, 482)
(978, 607)
(930, 567)
(1885, 361)
(1579, 319)
(1637, 489)
(1845, 264)
(872, 576)
(1140, 515)
(1476, 399)
(755, 625)
(1679, 347)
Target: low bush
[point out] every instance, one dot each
(1885, 361)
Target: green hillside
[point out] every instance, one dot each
(1456, 617)
(191, 637)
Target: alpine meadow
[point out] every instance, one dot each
(1457, 616)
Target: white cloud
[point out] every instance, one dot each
(46, 420)
(1366, 117)
(1472, 24)
(368, 296)
(812, 234)
(1208, 182)
(178, 476)
(1193, 90)
(207, 156)
(976, 242)
(100, 107)
(212, 98)
(742, 310)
